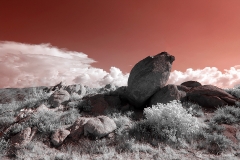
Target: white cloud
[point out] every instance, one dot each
(25, 65)
(208, 75)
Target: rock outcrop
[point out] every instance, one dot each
(210, 96)
(76, 130)
(147, 76)
(99, 103)
(191, 84)
(97, 127)
(58, 97)
(167, 94)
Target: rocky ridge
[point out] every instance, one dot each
(146, 87)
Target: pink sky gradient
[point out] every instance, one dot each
(203, 36)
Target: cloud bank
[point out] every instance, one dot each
(26, 65)
(208, 75)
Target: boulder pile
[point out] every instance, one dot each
(147, 86)
(147, 76)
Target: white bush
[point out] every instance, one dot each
(171, 120)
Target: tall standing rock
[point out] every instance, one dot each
(147, 76)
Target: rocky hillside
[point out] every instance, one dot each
(145, 120)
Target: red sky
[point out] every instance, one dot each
(203, 35)
(199, 33)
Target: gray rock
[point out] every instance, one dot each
(95, 126)
(147, 76)
(166, 94)
(99, 127)
(42, 108)
(59, 136)
(76, 130)
(58, 97)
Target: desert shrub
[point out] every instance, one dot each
(214, 143)
(193, 109)
(88, 147)
(123, 121)
(70, 116)
(48, 121)
(6, 121)
(4, 145)
(227, 115)
(17, 127)
(37, 93)
(130, 145)
(75, 97)
(167, 122)
(214, 127)
(9, 109)
(234, 91)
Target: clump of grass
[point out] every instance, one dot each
(234, 91)
(214, 127)
(123, 121)
(166, 122)
(214, 143)
(6, 121)
(37, 93)
(193, 109)
(227, 115)
(4, 145)
(48, 121)
(87, 146)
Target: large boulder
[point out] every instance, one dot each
(76, 130)
(99, 126)
(147, 76)
(191, 84)
(167, 94)
(121, 92)
(210, 96)
(99, 104)
(94, 126)
(58, 97)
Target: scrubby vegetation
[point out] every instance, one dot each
(166, 131)
(167, 122)
(227, 115)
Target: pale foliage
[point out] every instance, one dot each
(171, 120)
